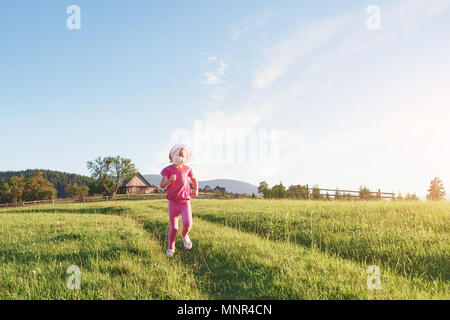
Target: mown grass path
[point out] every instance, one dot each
(243, 249)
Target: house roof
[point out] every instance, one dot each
(140, 176)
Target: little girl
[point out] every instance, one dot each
(175, 178)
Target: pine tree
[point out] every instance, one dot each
(5, 191)
(436, 191)
(17, 184)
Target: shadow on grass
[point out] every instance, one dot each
(92, 210)
(65, 237)
(428, 267)
(83, 258)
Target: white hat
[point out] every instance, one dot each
(175, 151)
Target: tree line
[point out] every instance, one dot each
(107, 175)
(279, 191)
(18, 189)
(436, 192)
(60, 180)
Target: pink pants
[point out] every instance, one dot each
(175, 208)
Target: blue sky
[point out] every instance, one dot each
(349, 105)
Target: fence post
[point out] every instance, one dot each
(379, 193)
(307, 191)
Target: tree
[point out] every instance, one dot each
(297, 192)
(365, 194)
(77, 191)
(96, 188)
(100, 170)
(264, 189)
(17, 184)
(111, 172)
(436, 191)
(315, 193)
(58, 179)
(278, 191)
(5, 191)
(411, 197)
(38, 188)
(338, 195)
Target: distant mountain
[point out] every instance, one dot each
(233, 186)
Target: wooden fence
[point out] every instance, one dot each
(352, 193)
(96, 199)
(331, 193)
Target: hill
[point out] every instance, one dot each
(57, 178)
(234, 186)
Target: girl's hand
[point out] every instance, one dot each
(195, 194)
(173, 177)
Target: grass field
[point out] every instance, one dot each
(242, 249)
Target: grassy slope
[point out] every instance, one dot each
(408, 238)
(242, 249)
(116, 257)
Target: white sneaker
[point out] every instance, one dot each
(187, 242)
(170, 252)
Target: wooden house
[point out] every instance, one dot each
(207, 188)
(137, 185)
(220, 189)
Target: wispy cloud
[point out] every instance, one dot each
(212, 58)
(280, 57)
(216, 79)
(408, 14)
(254, 21)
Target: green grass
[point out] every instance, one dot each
(242, 249)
